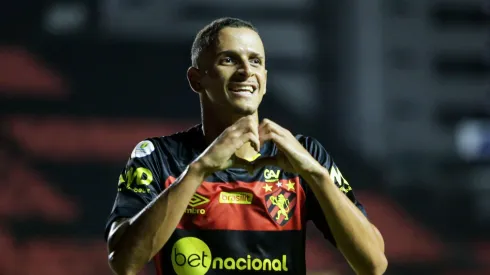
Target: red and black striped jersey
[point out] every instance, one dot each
(236, 222)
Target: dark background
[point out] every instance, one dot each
(397, 91)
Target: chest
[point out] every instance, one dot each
(263, 205)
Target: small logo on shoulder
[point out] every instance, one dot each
(236, 197)
(143, 149)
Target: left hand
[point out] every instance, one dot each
(292, 156)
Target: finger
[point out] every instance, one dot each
(265, 161)
(278, 140)
(264, 127)
(247, 125)
(270, 125)
(252, 138)
(269, 130)
(256, 141)
(268, 136)
(267, 127)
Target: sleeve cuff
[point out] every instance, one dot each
(120, 212)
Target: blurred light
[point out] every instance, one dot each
(63, 18)
(473, 140)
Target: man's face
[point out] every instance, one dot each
(235, 76)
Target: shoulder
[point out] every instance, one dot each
(165, 144)
(308, 140)
(169, 152)
(310, 143)
(189, 136)
(315, 148)
(144, 148)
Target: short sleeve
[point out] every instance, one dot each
(314, 211)
(139, 183)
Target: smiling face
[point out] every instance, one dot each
(232, 75)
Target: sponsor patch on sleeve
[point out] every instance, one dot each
(143, 149)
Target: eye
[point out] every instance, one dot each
(256, 61)
(227, 60)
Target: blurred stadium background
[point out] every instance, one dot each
(397, 90)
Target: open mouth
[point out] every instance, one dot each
(245, 89)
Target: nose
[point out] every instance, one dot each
(245, 70)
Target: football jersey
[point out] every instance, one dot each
(236, 222)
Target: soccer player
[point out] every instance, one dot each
(233, 194)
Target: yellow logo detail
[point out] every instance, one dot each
(192, 256)
(283, 204)
(236, 197)
(144, 145)
(338, 179)
(253, 158)
(290, 185)
(195, 211)
(267, 188)
(197, 200)
(141, 176)
(271, 175)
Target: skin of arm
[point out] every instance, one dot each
(357, 239)
(133, 242)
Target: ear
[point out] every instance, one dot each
(194, 77)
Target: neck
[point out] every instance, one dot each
(214, 123)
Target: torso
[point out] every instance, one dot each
(237, 223)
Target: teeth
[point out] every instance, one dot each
(244, 89)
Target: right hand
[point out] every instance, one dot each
(220, 155)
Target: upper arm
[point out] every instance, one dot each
(139, 183)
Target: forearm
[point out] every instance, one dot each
(356, 237)
(142, 236)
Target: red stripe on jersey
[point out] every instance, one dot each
(243, 206)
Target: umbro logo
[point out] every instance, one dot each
(197, 200)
